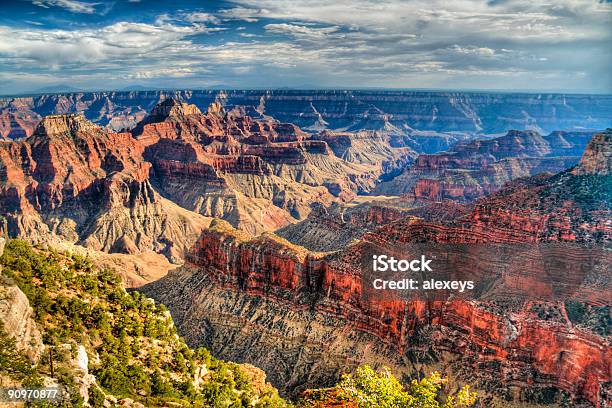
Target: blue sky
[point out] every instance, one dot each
(563, 45)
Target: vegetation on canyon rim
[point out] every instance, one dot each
(136, 352)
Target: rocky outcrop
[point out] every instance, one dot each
(333, 228)
(74, 181)
(525, 144)
(480, 167)
(18, 320)
(305, 317)
(176, 120)
(597, 158)
(255, 172)
(573, 205)
(408, 111)
(17, 123)
(17, 317)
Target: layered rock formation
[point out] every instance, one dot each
(476, 168)
(74, 181)
(434, 184)
(17, 123)
(333, 228)
(305, 317)
(373, 148)
(258, 174)
(351, 110)
(597, 158)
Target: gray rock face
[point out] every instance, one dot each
(297, 349)
(405, 111)
(17, 317)
(18, 320)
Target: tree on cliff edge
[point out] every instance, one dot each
(372, 389)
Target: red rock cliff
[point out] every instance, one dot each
(515, 347)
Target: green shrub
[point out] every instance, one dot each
(380, 389)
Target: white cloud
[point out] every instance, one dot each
(425, 43)
(250, 15)
(300, 31)
(481, 51)
(513, 18)
(92, 46)
(157, 72)
(71, 5)
(198, 17)
(392, 39)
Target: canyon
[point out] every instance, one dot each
(258, 174)
(266, 205)
(155, 188)
(305, 316)
(74, 181)
(432, 117)
(435, 186)
(476, 168)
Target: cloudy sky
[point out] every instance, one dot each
(527, 45)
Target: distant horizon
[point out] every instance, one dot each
(304, 89)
